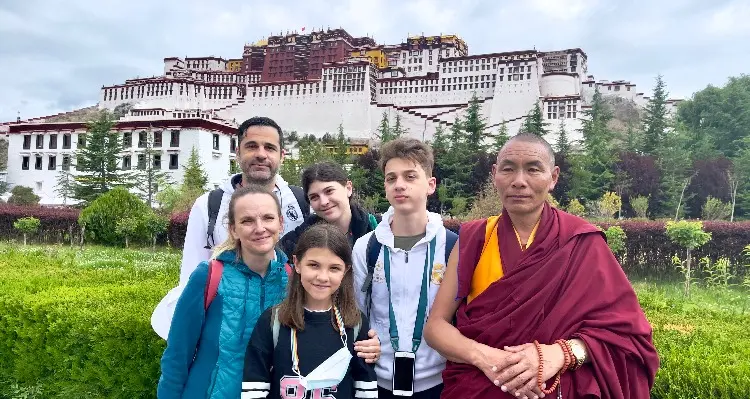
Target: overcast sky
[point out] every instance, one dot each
(56, 55)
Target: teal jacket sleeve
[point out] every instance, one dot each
(184, 333)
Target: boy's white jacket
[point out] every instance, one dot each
(194, 251)
(406, 284)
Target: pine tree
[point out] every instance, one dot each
(439, 141)
(457, 158)
(534, 122)
(563, 144)
(592, 169)
(655, 120)
(384, 133)
(398, 130)
(501, 137)
(96, 159)
(341, 146)
(194, 178)
(147, 177)
(65, 185)
(474, 126)
(632, 140)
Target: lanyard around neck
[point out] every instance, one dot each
(421, 307)
(295, 353)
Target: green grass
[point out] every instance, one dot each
(703, 341)
(76, 324)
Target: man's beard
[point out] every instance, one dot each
(249, 178)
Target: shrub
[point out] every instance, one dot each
(487, 204)
(616, 239)
(168, 198)
(576, 208)
(102, 215)
(640, 206)
(21, 195)
(156, 226)
(177, 229)
(715, 209)
(718, 273)
(689, 235)
(27, 225)
(76, 325)
(607, 206)
(57, 225)
(458, 205)
(127, 227)
(552, 201)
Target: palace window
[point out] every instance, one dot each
(127, 140)
(27, 142)
(82, 140)
(142, 139)
(173, 161)
(38, 162)
(141, 161)
(126, 162)
(52, 162)
(174, 139)
(39, 141)
(216, 142)
(25, 163)
(157, 139)
(66, 162)
(53, 142)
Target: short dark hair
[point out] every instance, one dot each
(325, 171)
(526, 137)
(260, 121)
(410, 149)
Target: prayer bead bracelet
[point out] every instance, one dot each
(569, 360)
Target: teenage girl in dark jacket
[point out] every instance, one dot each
(329, 191)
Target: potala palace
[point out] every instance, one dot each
(312, 83)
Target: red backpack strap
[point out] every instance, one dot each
(215, 269)
(288, 269)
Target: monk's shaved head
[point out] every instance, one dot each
(534, 139)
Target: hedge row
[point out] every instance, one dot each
(58, 224)
(76, 325)
(648, 251)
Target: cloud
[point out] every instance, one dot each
(731, 20)
(55, 57)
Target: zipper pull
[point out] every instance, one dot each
(407, 256)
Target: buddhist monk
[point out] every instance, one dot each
(535, 285)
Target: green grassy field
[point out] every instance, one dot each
(76, 324)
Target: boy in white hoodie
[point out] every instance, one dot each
(406, 255)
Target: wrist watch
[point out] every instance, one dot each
(579, 352)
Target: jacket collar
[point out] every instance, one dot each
(385, 235)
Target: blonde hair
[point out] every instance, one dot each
(230, 243)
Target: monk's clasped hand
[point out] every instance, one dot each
(520, 379)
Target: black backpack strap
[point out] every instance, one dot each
(450, 242)
(304, 206)
(371, 256)
(214, 203)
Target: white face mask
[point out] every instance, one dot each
(329, 373)
(332, 371)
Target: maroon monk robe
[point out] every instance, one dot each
(566, 284)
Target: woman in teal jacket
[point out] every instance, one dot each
(212, 324)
